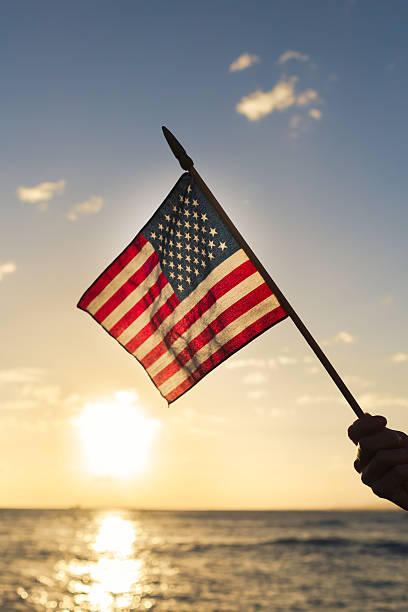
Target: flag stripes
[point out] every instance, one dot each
(183, 296)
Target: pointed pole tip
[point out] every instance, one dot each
(178, 151)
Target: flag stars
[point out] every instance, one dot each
(211, 244)
(160, 226)
(210, 255)
(187, 236)
(188, 248)
(179, 277)
(195, 203)
(196, 249)
(188, 258)
(186, 201)
(189, 189)
(171, 254)
(179, 256)
(213, 231)
(196, 261)
(181, 198)
(180, 287)
(195, 227)
(171, 264)
(202, 240)
(196, 238)
(167, 217)
(195, 214)
(188, 280)
(187, 212)
(179, 267)
(161, 237)
(222, 246)
(178, 223)
(179, 245)
(204, 217)
(188, 269)
(196, 272)
(153, 235)
(203, 263)
(187, 224)
(172, 275)
(174, 208)
(178, 234)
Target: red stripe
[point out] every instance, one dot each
(233, 312)
(111, 271)
(130, 285)
(228, 349)
(155, 322)
(140, 307)
(227, 283)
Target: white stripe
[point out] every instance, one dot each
(146, 316)
(121, 278)
(246, 286)
(225, 267)
(137, 294)
(228, 333)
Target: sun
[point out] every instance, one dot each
(116, 436)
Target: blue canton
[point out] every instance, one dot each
(188, 236)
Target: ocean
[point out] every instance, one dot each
(118, 560)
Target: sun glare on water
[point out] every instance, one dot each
(116, 436)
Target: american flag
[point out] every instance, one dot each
(183, 295)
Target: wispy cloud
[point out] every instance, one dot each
(89, 207)
(250, 362)
(289, 55)
(43, 192)
(306, 97)
(7, 268)
(342, 337)
(256, 394)
(20, 375)
(399, 357)
(261, 103)
(244, 61)
(315, 113)
(286, 360)
(254, 378)
(313, 400)
(368, 401)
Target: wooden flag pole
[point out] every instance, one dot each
(187, 164)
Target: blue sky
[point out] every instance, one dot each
(317, 185)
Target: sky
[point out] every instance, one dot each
(295, 115)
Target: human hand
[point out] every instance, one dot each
(382, 458)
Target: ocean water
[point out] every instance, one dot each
(108, 561)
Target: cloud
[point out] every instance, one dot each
(288, 55)
(89, 207)
(284, 360)
(254, 378)
(387, 300)
(43, 192)
(7, 268)
(342, 337)
(251, 362)
(244, 61)
(312, 400)
(256, 394)
(260, 103)
(399, 357)
(306, 97)
(315, 113)
(368, 401)
(20, 375)
(294, 122)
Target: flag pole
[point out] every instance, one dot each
(187, 164)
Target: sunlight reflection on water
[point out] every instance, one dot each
(110, 582)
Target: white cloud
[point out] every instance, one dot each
(306, 97)
(7, 268)
(315, 113)
(309, 400)
(254, 378)
(368, 401)
(284, 360)
(20, 375)
(294, 122)
(261, 103)
(89, 207)
(256, 394)
(387, 300)
(244, 61)
(399, 357)
(342, 337)
(251, 362)
(43, 192)
(288, 55)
